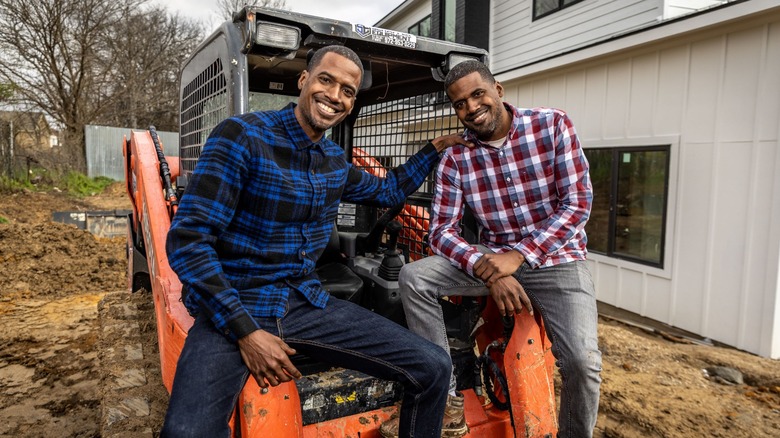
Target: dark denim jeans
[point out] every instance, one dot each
(210, 373)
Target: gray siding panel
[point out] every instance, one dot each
(518, 40)
(104, 150)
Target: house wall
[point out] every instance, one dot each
(714, 95)
(518, 40)
(414, 12)
(674, 8)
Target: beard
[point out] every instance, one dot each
(485, 131)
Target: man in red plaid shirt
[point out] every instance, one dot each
(527, 184)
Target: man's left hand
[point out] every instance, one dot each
(491, 267)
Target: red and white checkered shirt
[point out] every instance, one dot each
(533, 194)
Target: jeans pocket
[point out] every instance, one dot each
(521, 271)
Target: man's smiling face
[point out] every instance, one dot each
(477, 103)
(327, 94)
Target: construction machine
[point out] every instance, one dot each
(504, 366)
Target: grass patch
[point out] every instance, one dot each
(3, 220)
(81, 185)
(74, 183)
(12, 185)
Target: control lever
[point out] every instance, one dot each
(391, 262)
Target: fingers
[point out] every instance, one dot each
(287, 366)
(526, 303)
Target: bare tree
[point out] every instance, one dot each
(226, 8)
(146, 55)
(68, 58)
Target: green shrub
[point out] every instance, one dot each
(14, 185)
(81, 185)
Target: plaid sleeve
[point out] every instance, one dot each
(206, 209)
(398, 183)
(575, 194)
(446, 213)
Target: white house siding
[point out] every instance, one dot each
(518, 40)
(675, 8)
(416, 11)
(715, 97)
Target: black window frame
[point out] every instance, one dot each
(417, 27)
(561, 6)
(443, 28)
(611, 251)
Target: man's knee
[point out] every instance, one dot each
(585, 362)
(408, 272)
(417, 275)
(439, 366)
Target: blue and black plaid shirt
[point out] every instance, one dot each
(259, 210)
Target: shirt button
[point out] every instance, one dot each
(515, 204)
(509, 180)
(303, 253)
(313, 172)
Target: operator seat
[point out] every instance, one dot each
(336, 277)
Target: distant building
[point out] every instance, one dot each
(31, 131)
(678, 106)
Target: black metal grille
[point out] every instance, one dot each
(387, 134)
(204, 105)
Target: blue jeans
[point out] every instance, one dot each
(565, 297)
(210, 373)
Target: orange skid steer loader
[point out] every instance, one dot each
(504, 366)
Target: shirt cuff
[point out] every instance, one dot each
(241, 326)
(471, 261)
(533, 256)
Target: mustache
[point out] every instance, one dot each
(330, 103)
(471, 116)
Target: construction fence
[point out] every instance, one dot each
(104, 149)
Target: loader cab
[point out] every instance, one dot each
(253, 64)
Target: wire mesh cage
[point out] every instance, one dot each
(203, 106)
(386, 134)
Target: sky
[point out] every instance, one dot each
(366, 12)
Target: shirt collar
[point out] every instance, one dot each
(295, 130)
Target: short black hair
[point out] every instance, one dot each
(316, 57)
(466, 68)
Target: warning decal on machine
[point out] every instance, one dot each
(385, 36)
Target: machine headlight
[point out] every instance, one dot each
(277, 36)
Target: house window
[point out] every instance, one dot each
(630, 189)
(448, 20)
(422, 27)
(542, 8)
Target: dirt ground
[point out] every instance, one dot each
(53, 277)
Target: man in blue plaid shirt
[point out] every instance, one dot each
(257, 214)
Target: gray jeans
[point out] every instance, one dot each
(564, 295)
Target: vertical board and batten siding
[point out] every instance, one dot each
(518, 40)
(715, 97)
(104, 149)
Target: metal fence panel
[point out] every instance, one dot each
(104, 149)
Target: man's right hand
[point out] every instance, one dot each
(268, 358)
(510, 297)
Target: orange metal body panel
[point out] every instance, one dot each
(277, 413)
